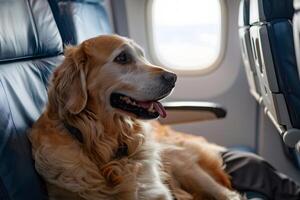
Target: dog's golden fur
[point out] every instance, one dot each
(158, 162)
(189, 161)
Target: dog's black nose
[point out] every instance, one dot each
(169, 77)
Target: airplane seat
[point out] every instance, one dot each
(247, 55)
(30, 48)
(296, 27)
(271, 34)
(80, 20)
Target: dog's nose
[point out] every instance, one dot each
(169, 77)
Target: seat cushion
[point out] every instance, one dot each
(30, 48)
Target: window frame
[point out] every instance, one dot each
(195, 72)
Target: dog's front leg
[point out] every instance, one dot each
(151, 184)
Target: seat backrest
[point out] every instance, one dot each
(247, 54)
(30, 48)
(270, 10)
(296, 27)
(271, 35)
(80, 20)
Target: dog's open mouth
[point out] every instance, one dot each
(141, 109)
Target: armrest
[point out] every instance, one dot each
(191, 111)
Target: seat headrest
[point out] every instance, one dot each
(268, 10)
(28, 30)
(81, 19)
(244, 13)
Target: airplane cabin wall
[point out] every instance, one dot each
(226, 85)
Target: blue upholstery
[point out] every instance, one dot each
(268, 10)
(273, 47)
(275, 60)
(30, 48)
(246, 49)
(81, 19)
(282, 47)
(24, 33)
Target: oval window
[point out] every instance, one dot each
(186, 34)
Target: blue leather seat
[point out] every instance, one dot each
(271, 35)
(79, 20)
(246, 49)
(30, 48)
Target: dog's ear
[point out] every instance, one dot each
(70, 80)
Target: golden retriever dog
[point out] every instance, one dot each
(93, 140)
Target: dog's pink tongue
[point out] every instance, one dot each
(160, 109)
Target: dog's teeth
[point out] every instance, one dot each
(129, 101)
(151, 108)
(124, 98)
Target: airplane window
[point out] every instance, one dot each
(186, 35)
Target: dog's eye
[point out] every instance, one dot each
(123, 58)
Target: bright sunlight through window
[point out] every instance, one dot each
(186, 34)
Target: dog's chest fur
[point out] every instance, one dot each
(70, 171)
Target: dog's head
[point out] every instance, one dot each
(111, 73)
